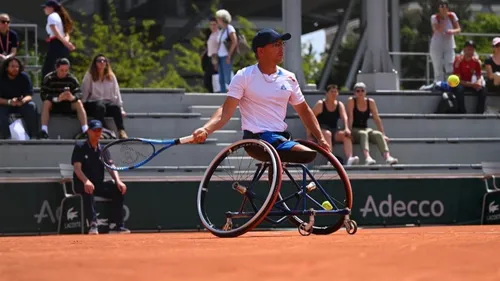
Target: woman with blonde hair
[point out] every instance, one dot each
(227, 41)
(59, 26)
(359, 110)
(101, 94)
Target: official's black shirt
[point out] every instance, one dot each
(90, 158)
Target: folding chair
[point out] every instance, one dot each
(491, 200)
(67, 178)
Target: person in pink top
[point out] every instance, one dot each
(263, 91)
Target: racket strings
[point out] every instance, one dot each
(130, 153)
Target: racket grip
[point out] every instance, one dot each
(186, 139)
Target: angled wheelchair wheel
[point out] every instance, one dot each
(324, 179)
(239, 188)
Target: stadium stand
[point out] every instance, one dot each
(424, 142)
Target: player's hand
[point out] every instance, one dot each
(386, 138)
(121, 186)
(200, 135)
(324, 144)
(88, 187)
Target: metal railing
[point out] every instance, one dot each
(428, 61)
(30, 60)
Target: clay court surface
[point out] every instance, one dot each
(409, 253)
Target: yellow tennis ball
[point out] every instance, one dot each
(327, 205)
(453, 80)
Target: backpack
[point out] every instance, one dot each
(447, 104)
(242, 47)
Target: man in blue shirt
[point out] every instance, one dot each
(16, 93)
(8, 39)
(88, 178)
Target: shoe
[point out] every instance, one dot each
(93, 229)
(353, 161)
(391, 160)
(43, 135)
(370, 161)
(122, 134)
(119, 230)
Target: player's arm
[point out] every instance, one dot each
(77, 166)
(317, 109)
(222, 115)
(309, 119)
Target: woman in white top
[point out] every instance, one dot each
(101, 94)
(210, 60)
(442, 48)
(59, 25)
(227, 41)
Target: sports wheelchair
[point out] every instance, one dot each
(244, 188)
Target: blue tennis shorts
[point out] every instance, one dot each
(279, 140)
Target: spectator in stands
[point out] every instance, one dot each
(359, 109)
(9, 41)
(59, 26)
(493, 68)
(210, 60)
(328, 111)
(468, 68)
(88, 178)
(60, 93)
(16, 93)
(442, 47)
(227, 41)
(101, 94)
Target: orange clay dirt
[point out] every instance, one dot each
(409, 253)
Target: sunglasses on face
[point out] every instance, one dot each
(360, 91)
(5, 21)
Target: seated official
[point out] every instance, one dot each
(16, 93)
(88, 178)
(60, 93)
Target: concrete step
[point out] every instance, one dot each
(170, 125)
(400, 102)
(409, 151)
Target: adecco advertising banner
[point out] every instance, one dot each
(32, 207)
(426, 201)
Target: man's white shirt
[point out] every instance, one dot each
(263, 99)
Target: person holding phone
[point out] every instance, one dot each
(60, 93)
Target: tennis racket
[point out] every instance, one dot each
(128, 154)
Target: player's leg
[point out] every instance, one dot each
(340, 136)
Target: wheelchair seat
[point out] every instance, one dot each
(299, 157)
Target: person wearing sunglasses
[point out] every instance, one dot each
(492, 65)
(101, 93)
(8, 39)
(442, 47)
(359, 110)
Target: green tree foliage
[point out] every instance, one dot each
(134, 54)
(481, 23)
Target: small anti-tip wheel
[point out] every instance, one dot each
(305, 229)
(351, 227)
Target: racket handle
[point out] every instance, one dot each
(186, 139)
